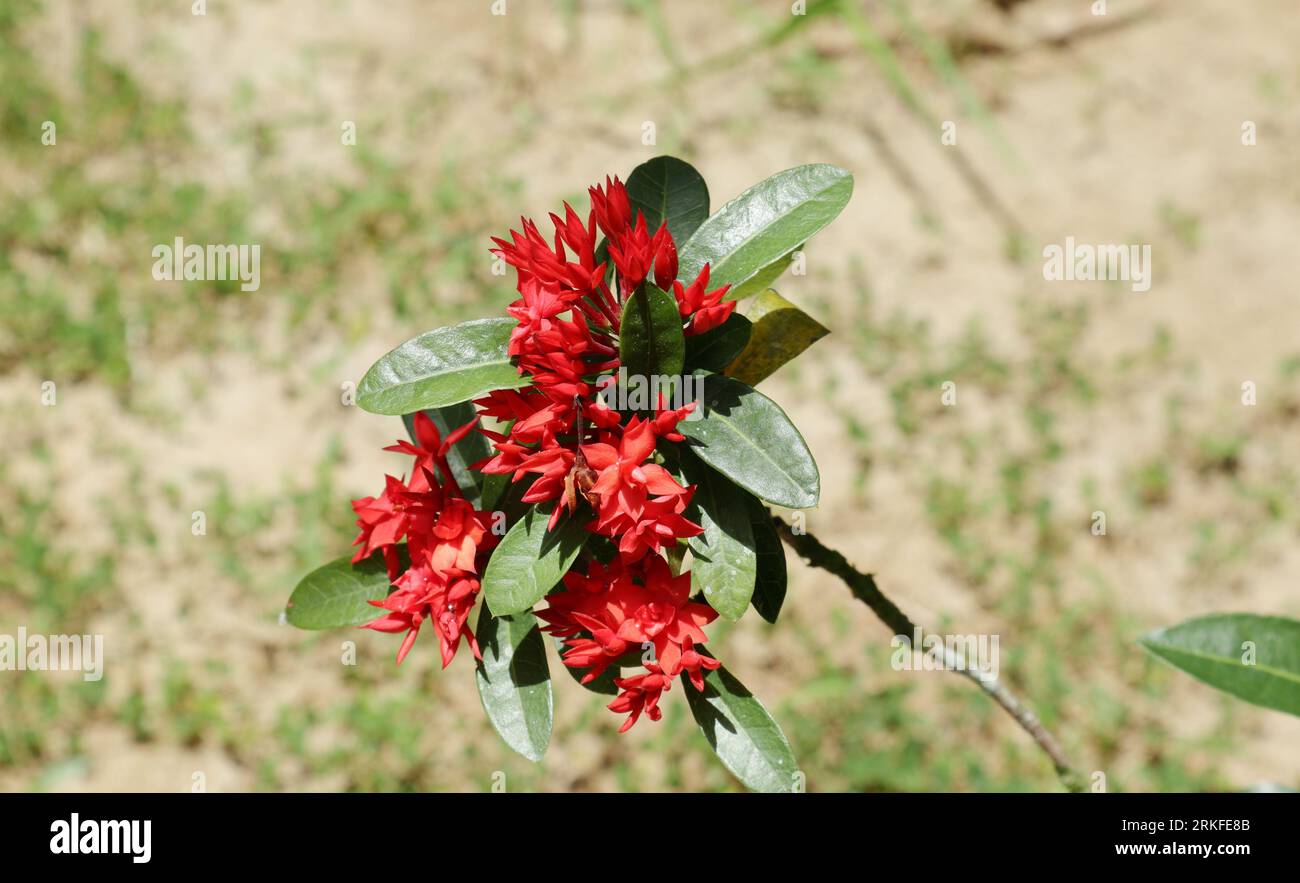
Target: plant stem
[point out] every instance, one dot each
(864, 588)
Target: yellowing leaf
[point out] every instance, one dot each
(781, 332)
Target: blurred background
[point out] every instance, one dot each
(1072, 398)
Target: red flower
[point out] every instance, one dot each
(616, 609)
(666, 420)
(635, 252)
(640, 693)
(430, 448)
(445, 597)
(611, 207)
(704, 310)
(659, 610)
(623, 485)
(444, 537)
(535, 260)
(383, 522)
(691, 661)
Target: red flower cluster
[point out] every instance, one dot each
(622, 488)
(445, 537)
(577, 452)
(569, 315)
(569, 320)
(623, 610)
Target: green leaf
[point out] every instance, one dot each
(770, 584)
(602, 257)
(603, 684)
(781, 332)
(650, 336)
(723, 562)
(336, 595)
(466, 452)
(494, 491)
(514, 682)
(442, 367)
(718, 347)
(1214, 649)
(667, 189)
(765, 223)
(748, 438)
(530, 560)
(763, 279)
(745, 737)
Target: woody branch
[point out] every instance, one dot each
(864, 588)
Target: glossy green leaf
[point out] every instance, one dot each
(466, 452)
(765, 223)
(718, 347)
(763, 279)
(603, 684)
(745, 737)
(650, 336)
(668, 189)
(748, 438)
(441, 367)
(781, 332)
(770, 583)
(530, 560)
(514, 681)
(1256, 658)
(723, 560)
(337, 594)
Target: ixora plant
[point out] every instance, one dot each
(600, 451)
